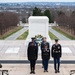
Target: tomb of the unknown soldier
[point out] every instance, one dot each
(13, 53)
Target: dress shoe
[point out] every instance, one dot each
(58, 71)
(55, 71)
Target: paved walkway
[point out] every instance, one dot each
(57, 34)
(22, 69)
(17, 34)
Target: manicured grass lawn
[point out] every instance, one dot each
(65, 34)
(10, 32)
(23, 36)
(52, 36)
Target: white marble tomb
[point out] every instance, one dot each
(38, 25)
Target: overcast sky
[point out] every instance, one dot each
(37, 1)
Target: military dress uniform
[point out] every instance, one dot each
(56, 53)
(45, 58)
(32, 54)
(43, 46)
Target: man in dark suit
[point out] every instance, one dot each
(56, 52)
(32, 54)
(44, 42)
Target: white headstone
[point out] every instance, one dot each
(38, 25)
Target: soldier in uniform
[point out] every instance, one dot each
(56, 52)
(43, 43)
(43, 46)
(45, 57)
(33, 40)
(32, 54)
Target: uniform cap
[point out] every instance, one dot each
(33, 38)
(56, 40)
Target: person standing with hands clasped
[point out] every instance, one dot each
(43, 46)
(32, 54)
(45, 57)
(56, 52)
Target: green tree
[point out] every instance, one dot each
(48, 14)
(37, 12)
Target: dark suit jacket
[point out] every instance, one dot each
(56, 51)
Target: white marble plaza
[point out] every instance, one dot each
(16, 50)
(12, 50)
(66, 50)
